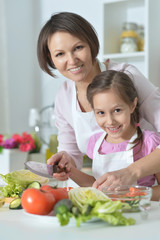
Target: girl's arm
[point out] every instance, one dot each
(69, 170)
(145, 166)
(81, 178)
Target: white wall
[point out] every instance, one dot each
(22, 20)
(29, 87)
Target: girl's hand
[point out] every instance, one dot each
(114, 179)
(64, 162)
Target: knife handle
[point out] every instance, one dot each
(57, 169)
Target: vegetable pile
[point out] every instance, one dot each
(88, 203)
(18, 180)
(82, 203)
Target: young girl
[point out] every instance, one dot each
(114, 100)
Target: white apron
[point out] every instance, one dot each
(85, 124)
(112, 161)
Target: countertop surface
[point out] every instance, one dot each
(17, 224)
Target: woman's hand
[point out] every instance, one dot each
(64, 162)
(113, 179)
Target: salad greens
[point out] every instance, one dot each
(87, 205)
(18, 180)
(79, 196)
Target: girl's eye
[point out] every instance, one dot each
(100, 113)
(117, 110)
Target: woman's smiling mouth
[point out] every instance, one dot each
(75, 70)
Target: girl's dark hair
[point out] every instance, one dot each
(65, 22)
(124, 87)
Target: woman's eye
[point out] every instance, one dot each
(78, 47)
(59, 54)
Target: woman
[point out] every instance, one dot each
(68, 43)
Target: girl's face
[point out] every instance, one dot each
(71, 56)
(113, 115)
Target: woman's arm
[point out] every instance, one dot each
(156, 189)
(64, 123)
(148, 97)
(145, 166)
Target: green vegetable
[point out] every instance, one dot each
(34, 184)
(79, 196)
(62, 210)
(18, 180)
(91, 203)
(63, 204)
(108, 211)
(15, 204)
(75, 211)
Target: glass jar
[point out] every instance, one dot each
(129, 38)
(141, 38)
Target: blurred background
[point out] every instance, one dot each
(24, 88)
(23, 85)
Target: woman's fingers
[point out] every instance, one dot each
(115, 179)
(105, 180)
(55, 158)
(62, 159)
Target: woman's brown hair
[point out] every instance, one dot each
(65, 22)
(123, 85)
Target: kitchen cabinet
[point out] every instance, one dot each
(142, 12)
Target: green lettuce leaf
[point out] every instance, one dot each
(79, 196)
(18, 180)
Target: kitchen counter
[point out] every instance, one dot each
(18, 225)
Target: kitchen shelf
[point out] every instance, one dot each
(136, 56)
(142, 12)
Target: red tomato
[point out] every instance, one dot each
(37, 201)
(58, 193)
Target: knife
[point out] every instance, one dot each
(42, 169)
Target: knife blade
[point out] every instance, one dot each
(42, 169)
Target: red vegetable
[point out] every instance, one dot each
(37, 201)
(58, 193)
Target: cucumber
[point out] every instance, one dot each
(34, 184)
(15, 204)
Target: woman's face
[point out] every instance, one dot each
(71, 56)
(113, 115)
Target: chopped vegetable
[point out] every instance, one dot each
(15, 204)
(34, 184)
(130, 199)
